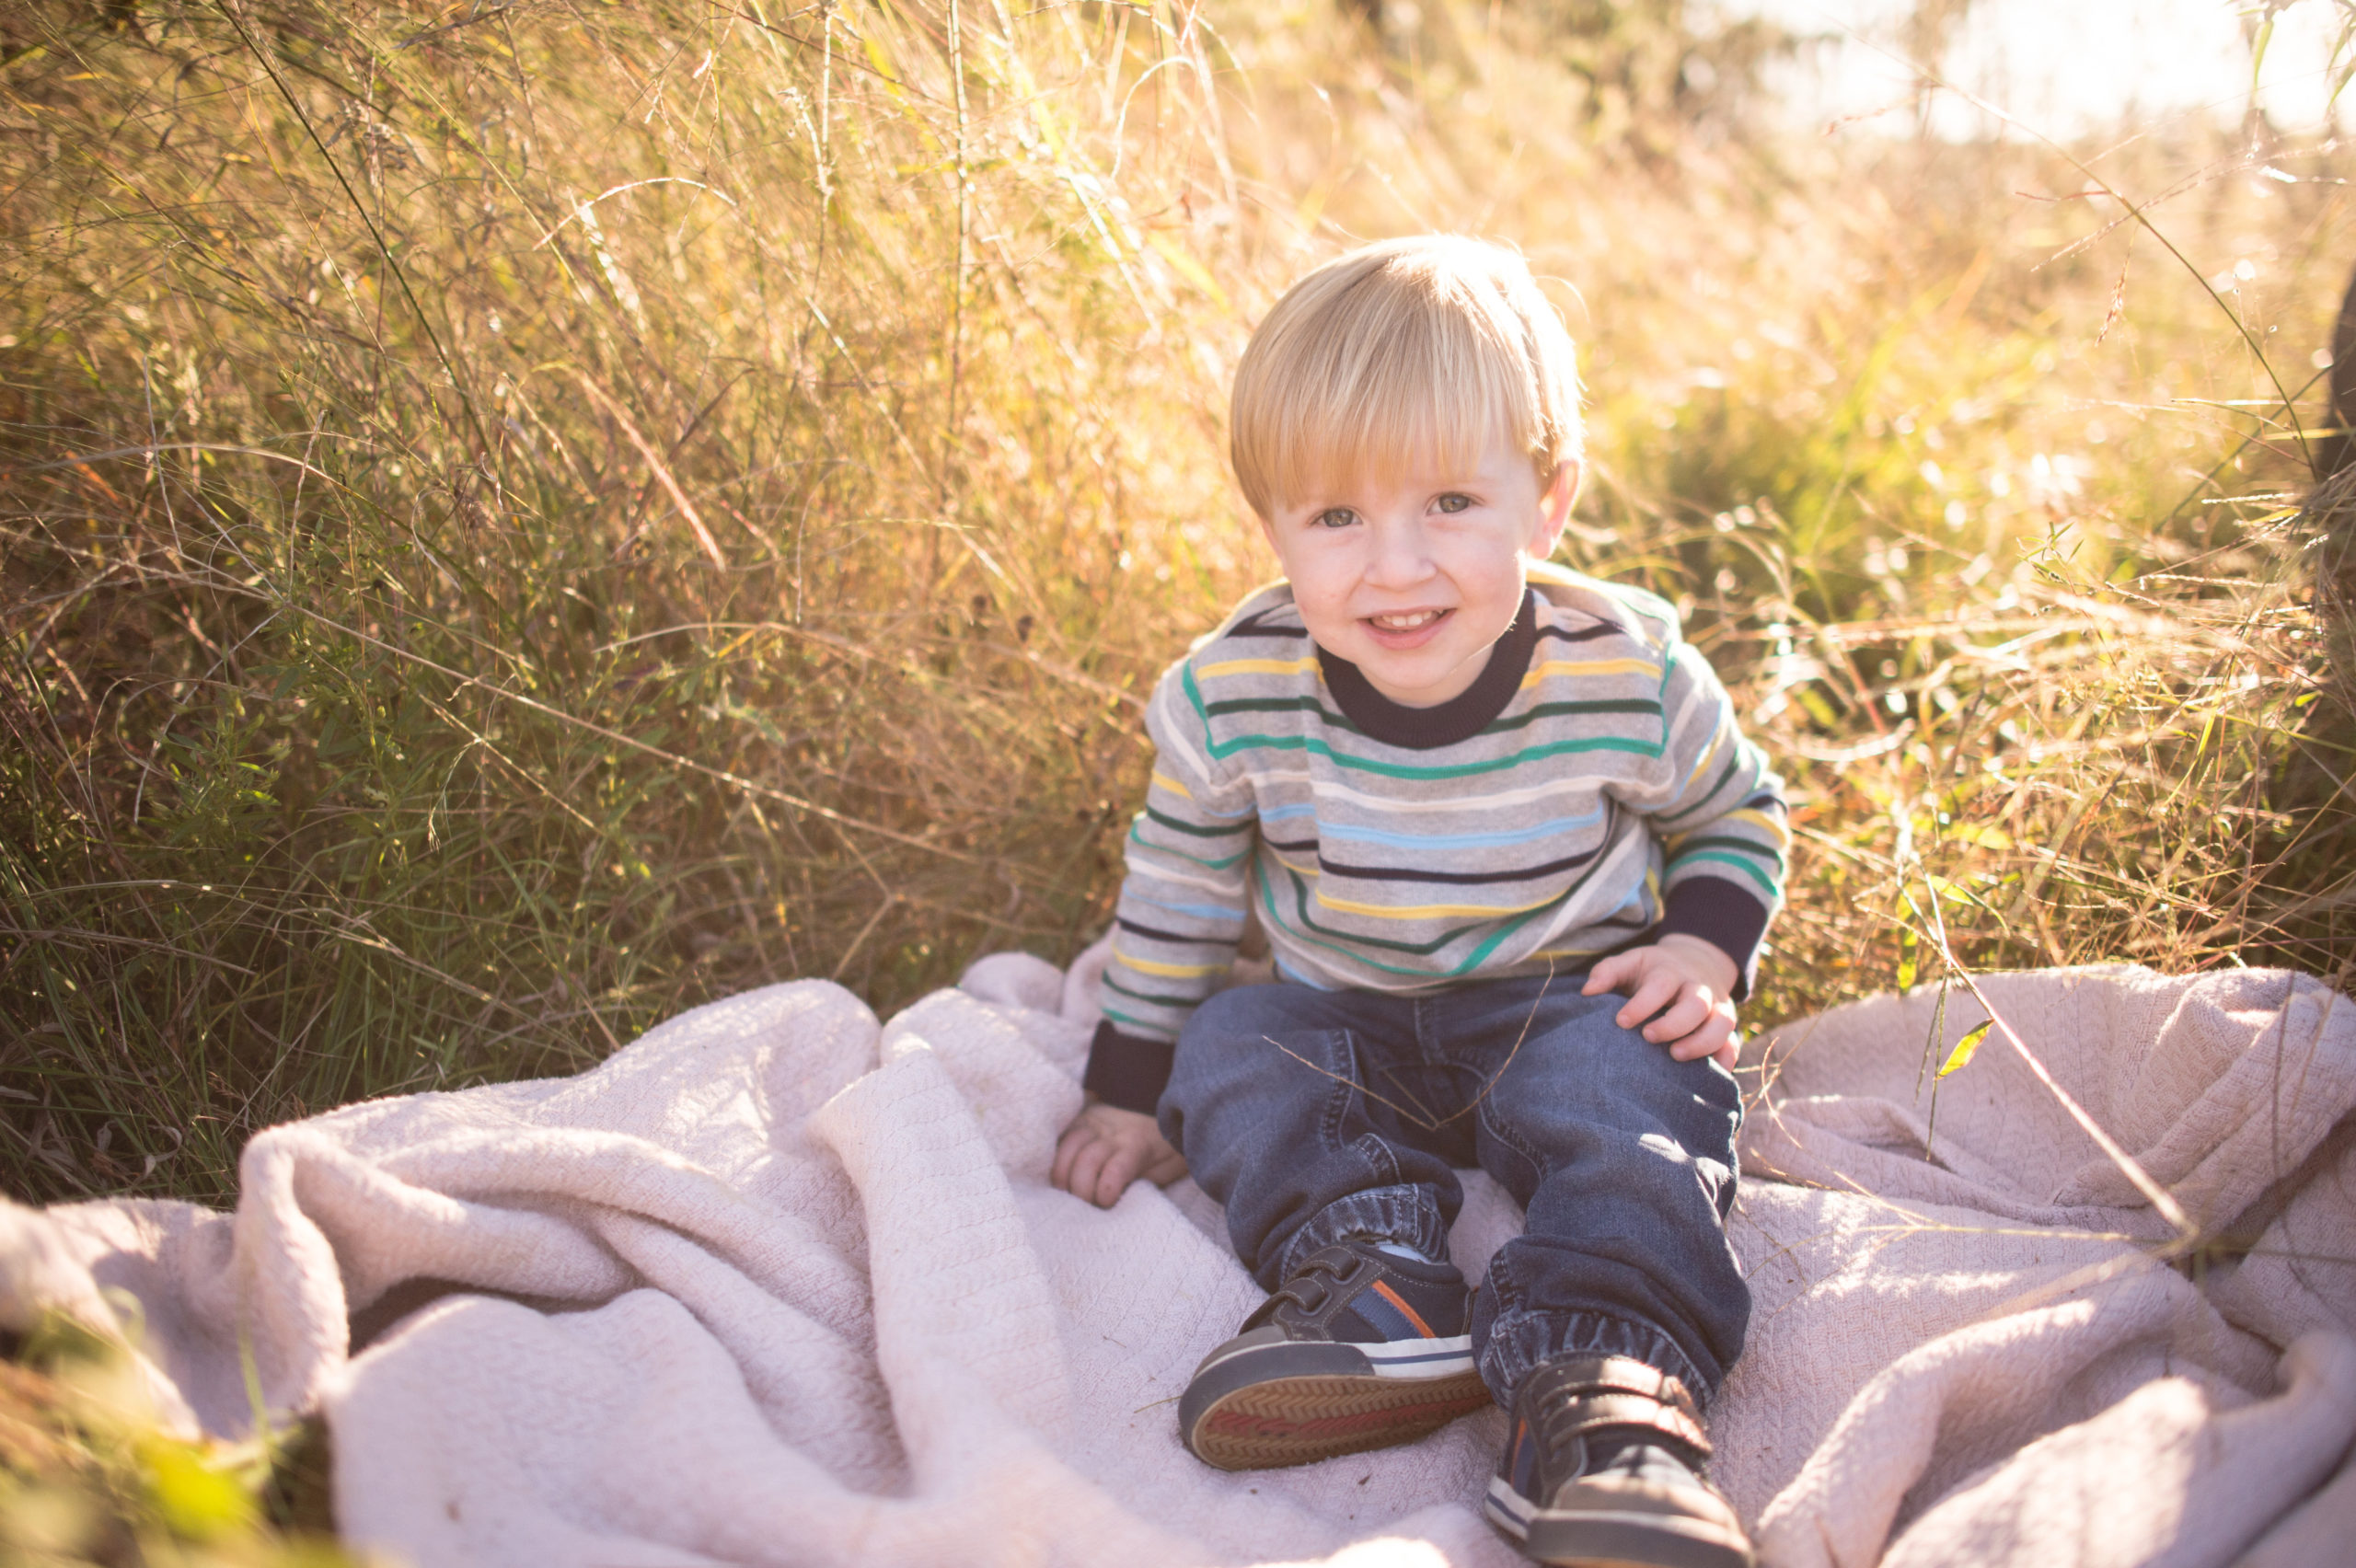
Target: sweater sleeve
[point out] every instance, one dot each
(1183, 904)
(1724, 828)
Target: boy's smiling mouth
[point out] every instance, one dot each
(1405, 621)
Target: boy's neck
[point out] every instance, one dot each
(1462, 717)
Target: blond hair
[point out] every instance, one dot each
(1423, 348)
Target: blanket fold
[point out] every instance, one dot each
(780, 1283)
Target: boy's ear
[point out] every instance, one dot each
(1554, 506)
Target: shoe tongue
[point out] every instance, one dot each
(1425, 1270)
(1633, 1454)
(1611, 1451)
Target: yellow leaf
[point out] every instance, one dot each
(197, 1502)
(1961, 1055)
(1953, 892)
(1194, 272)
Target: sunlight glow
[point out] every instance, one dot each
(2061, 67)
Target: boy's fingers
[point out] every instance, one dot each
(1078, 1139)
(1683, 1018)
(1713, 1036)
(1634, 1012)
(1066, 1150)
(1115, 1178)
(1081, 1175)
(1651, 997)
(1708, 1037)
(1085, 1167)
(1606, 975)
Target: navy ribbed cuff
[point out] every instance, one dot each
(1723, 913)
(1127, 1070)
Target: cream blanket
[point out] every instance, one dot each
(777, 1285)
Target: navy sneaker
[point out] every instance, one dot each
(1603, 1469)
(1359, 1349)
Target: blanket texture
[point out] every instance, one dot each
(778, 1283)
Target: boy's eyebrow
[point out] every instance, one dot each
(1344, 502)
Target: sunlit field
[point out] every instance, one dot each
(519, 520)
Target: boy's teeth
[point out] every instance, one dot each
(1407, 622)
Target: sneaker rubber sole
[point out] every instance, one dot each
(1599, 1539)
(1271, 1405)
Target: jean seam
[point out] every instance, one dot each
(1505, 1135)
(1337, 1099)
(1370, 1148)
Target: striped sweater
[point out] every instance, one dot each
(1589, 790)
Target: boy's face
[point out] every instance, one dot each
(1412, 578)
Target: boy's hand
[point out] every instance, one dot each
(1691, 979)
(1105, 1148)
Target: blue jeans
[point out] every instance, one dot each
(1315, 1115)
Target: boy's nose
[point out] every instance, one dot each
(1399, 559)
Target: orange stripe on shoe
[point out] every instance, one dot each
(1412, 1316)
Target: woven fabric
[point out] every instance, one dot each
(779, 1285)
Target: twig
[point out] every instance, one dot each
(662, 474)
(864, 932)
(734, 780)
(1423, 1119)
(2156, 1195)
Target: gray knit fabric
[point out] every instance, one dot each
(1572, 820)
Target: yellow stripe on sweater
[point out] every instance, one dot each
(1431, 911)
(1171, 971)
(1588, 667)
(1256, 667)
(1769, 823)
(1717, 742)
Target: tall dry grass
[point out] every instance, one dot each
(518, 519)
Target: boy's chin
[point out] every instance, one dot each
(1401, 688)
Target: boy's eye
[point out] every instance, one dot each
(1454, 501)
(1333, 517)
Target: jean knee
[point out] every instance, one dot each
(1592, 1078)
(1224, 1060)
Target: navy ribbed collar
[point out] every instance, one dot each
(1462, 717)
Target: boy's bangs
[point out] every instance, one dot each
(1388, 362)
(1388, 426)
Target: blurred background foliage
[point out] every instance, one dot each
(516, 519)
(90, 1472)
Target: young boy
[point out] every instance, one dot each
(1514, 860)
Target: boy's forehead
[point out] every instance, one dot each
(1337, 467)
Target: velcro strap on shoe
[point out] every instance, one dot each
(1619, 1374)
(1591, 1413)
(1320, 1279)
(1600, 1391)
